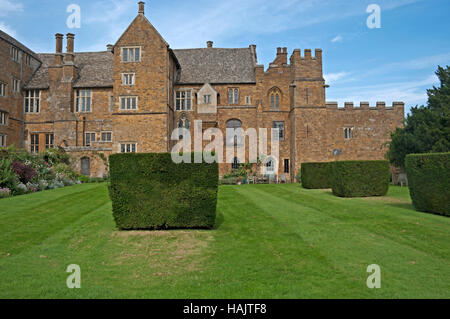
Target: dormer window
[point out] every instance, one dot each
(131, 54)
(207, 99)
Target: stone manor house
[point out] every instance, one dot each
(130, 97)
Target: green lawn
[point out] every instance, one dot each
(271, 241)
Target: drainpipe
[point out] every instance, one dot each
(84, 130)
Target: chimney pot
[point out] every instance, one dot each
(141, 7)
(209, 44)
(278, 51)
(109, 47)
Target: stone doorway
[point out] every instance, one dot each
(86, 166)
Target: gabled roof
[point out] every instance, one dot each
(95, 69)
(216, 65)
(11, 40)
(141, 16)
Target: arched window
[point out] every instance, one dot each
(235, 164)
(234, 139)
(275, 97)
(183, 123)
(269, 166)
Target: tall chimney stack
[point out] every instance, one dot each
(58, 50)
(209, 44)
(141, 7)
(70, 40)
(59, 38)
(69, 57)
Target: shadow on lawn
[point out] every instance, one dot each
(408, 206)
(219, 220)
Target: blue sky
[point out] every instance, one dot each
(393, 63)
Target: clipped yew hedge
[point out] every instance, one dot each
(429, 182)
(150, 191)
(360, 178)
(315, 175)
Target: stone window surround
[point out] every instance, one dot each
(34, 142)
(3, 89)
(49, 140)
(106, 133)
(15, 54)
(126, 97)
(125, 145)
(283, 131)
(3, 118)
(15, 85)
(234, 97)
(176, 98)
(3, 140)
(90, 134)
(35, 99)
(348, 132)
(86, 98)
(286, 168)
(275, 98)
(130, 47)
(133, 78)
(28, 59)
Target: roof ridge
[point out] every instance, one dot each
(244, 48)
(13, 41)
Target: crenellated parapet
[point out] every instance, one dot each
(365, 105)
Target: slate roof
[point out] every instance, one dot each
(198, 66)
(17, 44)
(95, 69)
(216, 65)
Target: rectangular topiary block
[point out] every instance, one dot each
(429, 182)
(360, 178)
(315, 175)
(150, 191)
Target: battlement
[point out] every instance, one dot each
(365, 105)
(306, 66)
(297, 54)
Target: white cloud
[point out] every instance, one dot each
(422, 63)
(410, 92)
(7, 29)
(333, 77)
(337, 38)
(7, 7)
(219, 21)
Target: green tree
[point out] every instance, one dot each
(427, 128)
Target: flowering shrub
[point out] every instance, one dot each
(5, 192)
(25, 172)
(55, 184)
(43, 185)
(32, 188)
(21, 189)
(22, 172)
